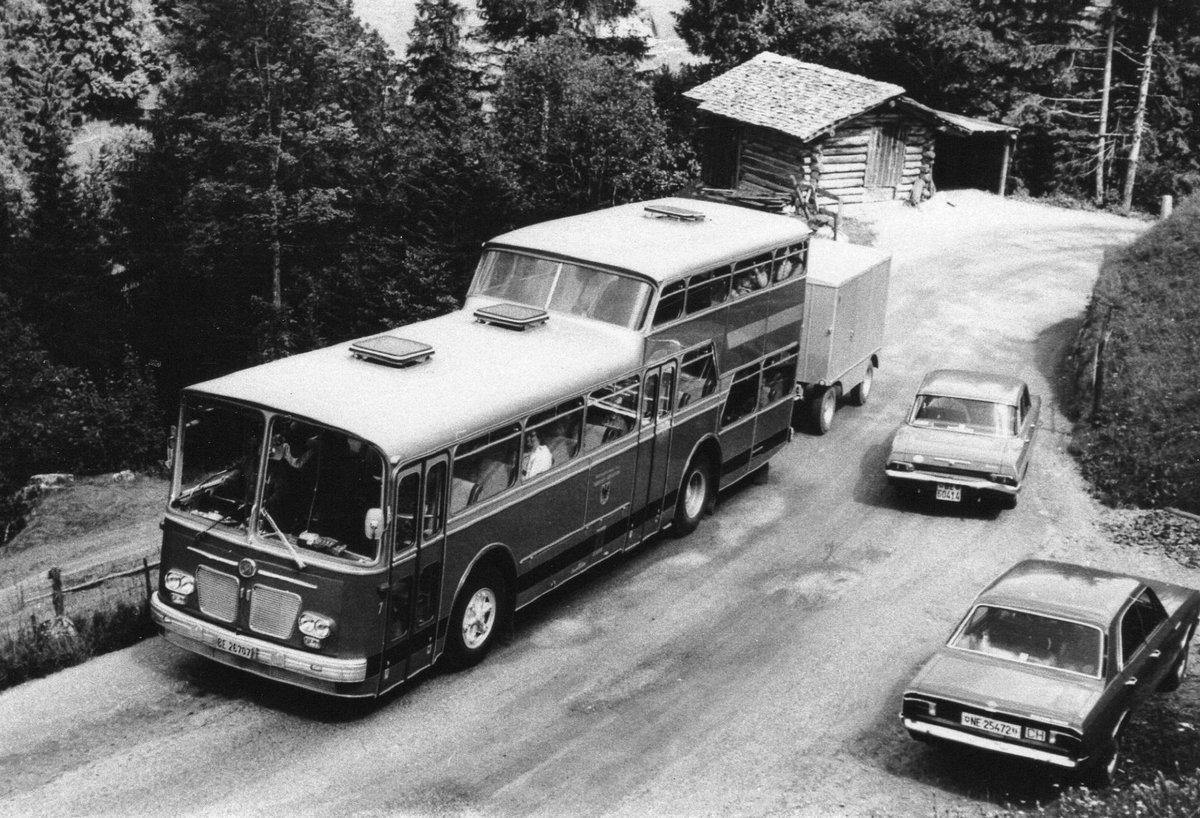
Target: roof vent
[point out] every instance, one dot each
(390, 350)
(512, 316)
(681, 214)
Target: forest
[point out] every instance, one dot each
(188, 187)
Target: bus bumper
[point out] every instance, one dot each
(255, 655)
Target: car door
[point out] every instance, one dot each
(1029, 410)
(1142, 638)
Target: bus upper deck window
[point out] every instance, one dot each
(697, 376)
(516, 277)
(670, 303)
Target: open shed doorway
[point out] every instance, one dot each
(970, 161)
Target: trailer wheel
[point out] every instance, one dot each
(860, 393)
(821, 409)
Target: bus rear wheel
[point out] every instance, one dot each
(475, 620)
(695, 496)
(821, 409)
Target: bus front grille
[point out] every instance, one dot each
(273, 611)
(217, 593)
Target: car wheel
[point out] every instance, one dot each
(695, 496)
(1006, 502)
(1103, 770)
(860, 393)
(1175, 678)
(822, 408)
(475, 621)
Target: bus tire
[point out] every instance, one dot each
(475, 619)
(860, 393)
(821, 409)
(695, 496)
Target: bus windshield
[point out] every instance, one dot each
(562, 286)
(317, 489)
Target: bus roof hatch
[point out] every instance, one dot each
(390, 350)
(512, 316)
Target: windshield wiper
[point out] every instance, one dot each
(282, 536)
(209, 481)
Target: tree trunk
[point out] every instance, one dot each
(1106, 89)
(1139, 118)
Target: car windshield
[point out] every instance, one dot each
(562, 286)
(316, 484)
(964, 414)
(1031, 638)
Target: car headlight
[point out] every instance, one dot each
(179, 582)
(315, 625)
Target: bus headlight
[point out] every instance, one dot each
(180, 584)
(315, 625)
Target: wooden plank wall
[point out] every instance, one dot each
(769, 158)
(843, 164)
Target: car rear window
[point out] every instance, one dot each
(980, 416)
(1031, 638)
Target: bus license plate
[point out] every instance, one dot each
(1000, 728)
(244, 651)
(951, 494)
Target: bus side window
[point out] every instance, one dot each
(697, 376)
(779, 379)
(406, 511)
(670, 303)
(435, 488)
(484, 467)
(611, 413)
(743, 395)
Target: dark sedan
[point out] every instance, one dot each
(1050, 660)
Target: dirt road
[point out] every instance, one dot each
(753, 668)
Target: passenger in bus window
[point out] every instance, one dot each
(743, 285)
(537, 457)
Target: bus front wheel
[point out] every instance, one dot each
(695, 496)
(475, 621)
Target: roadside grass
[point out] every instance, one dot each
(1138, 442)
(39, 649)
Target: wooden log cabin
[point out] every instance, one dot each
(774, 119)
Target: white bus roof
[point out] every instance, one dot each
(628, 237)
(478, 375)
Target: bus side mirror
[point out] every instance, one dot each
(373, 524)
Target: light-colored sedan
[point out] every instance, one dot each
(968, 436)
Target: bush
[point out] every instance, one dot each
(1139, 443)
(47, 647)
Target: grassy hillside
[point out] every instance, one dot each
(1141, 446)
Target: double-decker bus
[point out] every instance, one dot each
(342, 518)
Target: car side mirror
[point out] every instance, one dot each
(373, 524)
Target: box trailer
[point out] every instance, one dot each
(845, 306)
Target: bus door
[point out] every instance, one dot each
(772, 429)
(654, 451)
(415, 580)
(737, 422)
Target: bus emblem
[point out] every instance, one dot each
(247, 568)
(605, 491)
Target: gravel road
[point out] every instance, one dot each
(753, 668)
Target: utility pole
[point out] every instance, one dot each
(1139, 118)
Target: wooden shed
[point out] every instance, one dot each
(774, 119)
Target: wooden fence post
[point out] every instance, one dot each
(146, 576)
(56, 590)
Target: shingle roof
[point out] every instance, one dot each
(797, 98)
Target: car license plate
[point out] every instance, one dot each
(951, 494)
(1000, 728)
(237, 649)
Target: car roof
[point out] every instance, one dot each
(962, 383)
(1063, 590)
(632, 238)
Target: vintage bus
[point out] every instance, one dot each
(342, 518)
